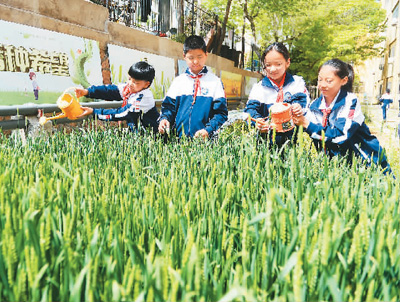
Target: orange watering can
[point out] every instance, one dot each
(69, 105)
(281, 117)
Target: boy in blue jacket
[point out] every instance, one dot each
(195, 104)
(138, 105)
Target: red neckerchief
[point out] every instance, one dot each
(326, 112)
(196, 85)
(279, 98)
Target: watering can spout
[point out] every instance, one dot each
(43, 120)
(69, 105)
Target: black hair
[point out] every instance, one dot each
(342, 70)
(277, 46)
(142, 71)
(388, 90)
(194, 42)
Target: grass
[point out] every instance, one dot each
(20, 98)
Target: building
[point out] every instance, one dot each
(379, 74)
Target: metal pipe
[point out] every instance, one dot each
(32, 110)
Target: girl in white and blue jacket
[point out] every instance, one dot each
(138, 107)
(336, 117)
(277, 86)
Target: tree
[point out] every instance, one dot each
(317, 30)
(224, 23)
(313, 30)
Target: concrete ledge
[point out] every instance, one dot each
(80, 12)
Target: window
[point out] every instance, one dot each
(392, 49)
(395, 15)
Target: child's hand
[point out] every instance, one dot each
(163, 126)
(86, 111)
(201, 133)
(297, 111)
(262, 125)
(80, 92)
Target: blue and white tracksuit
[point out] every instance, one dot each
(346, 132)
(386, 99)
(209, 110)
(264, 94)
(140, 106)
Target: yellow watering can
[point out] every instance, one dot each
(69, 105)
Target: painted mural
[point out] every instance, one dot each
(232, 84)
(119, 64)
(37, 65)
(249, 82)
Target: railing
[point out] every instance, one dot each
(154, 17)
(19, 112)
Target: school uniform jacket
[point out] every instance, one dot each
(346, 132)
(140, 105)
(209, 111)
(263, 95)
(386, 99)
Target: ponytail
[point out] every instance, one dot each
(342, 70)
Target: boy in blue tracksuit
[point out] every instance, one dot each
(195, 104)
(138, 107)
(336, 117)
(386, 99)
(277, 86)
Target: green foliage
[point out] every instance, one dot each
(316, 31)
(159, 87)
(78, 74)
(106, 215)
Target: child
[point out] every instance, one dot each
(138, 103)
(385, 99)
(277, 86)
(195, 103)
(337, 113)
(35, 86)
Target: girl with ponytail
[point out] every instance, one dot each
(336, 117)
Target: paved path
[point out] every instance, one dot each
(385, 132)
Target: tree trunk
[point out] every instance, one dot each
(181, 17)
(251, 19)
(241, 62)
(223, 30)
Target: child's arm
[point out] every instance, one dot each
(104, 92)
(253, 105)
(168, 113)
(119, 114)
(302, 97)
(218, 117)
(298, 116)
(80, 92)
(253, 108)
(86, 111)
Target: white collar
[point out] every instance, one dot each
(323, 102)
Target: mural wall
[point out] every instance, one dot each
(37, 65)
(232, 84)
(248, 84)
(121, 58)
